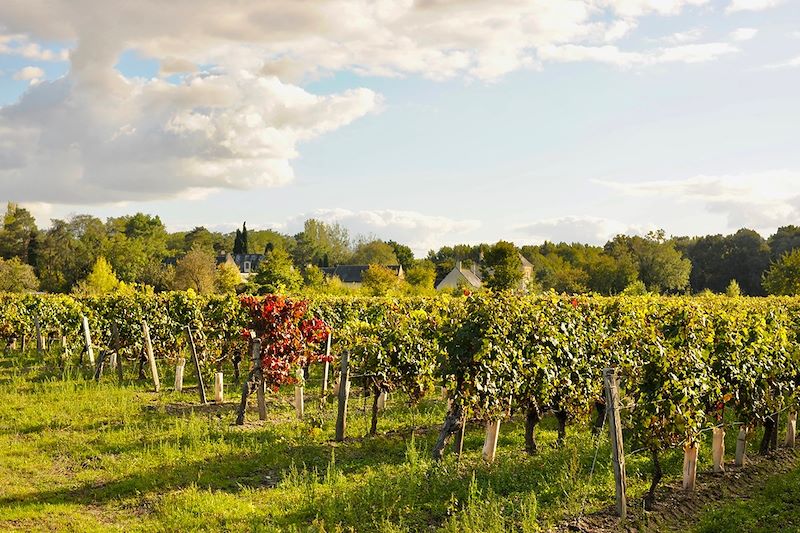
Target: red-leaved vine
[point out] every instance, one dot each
(289, 336)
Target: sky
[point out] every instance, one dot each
(431, 122)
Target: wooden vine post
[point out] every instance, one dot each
(718, 450)
(298, 394)
(690, 452)
(344, 390)
(260, 384)
(490, 443)
(151, 359)
(116, 343)
(87, 338)
(219, 393)
(382, 401)
(39, 340)
(615, 433)
(741, 447)
(791, 429)
(326, 367)
(179, 374)
(193, 349)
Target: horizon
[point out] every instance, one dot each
(430, 124)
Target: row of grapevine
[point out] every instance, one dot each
(683, 361)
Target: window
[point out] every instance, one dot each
(247, 266)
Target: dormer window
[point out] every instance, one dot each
(246, 266)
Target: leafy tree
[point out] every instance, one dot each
(786, 239)
(196, 270)
(277, 275)
(19, 229)
(157, 275)
(68, 250)
(783, 277)
(718, 259)
(374, 252)
(502, 267)
(379, 281)
(313, 278)
(227, 278)
(101, 280)
(421, 276)
(128, 257)
(404, 255)
(16, 276)
(318, 240)
(662, 268)
(733, 290)
(636, 288)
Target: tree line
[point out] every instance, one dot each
(85, 254)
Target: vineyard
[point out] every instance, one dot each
(682, 370)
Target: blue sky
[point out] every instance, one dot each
(432, 126)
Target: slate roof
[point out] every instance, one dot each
(354, 273)
(240, 259)
(471, 277)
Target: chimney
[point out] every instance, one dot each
(458, 265)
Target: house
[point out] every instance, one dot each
(461, 277)
(353, 275)
(472, 278)
(246, 263)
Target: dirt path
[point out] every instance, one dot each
(677, 510)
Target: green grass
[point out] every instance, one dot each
(773, 508)
(77, 455)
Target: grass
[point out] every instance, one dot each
(78, 455)
(773, 508)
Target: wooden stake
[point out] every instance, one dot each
(151, 358)
(615, 433)
(718, 450)
(382, 401)
(179, 374)
(39, 340)
(87, 337)
(298, 394)
(255, 353)
(741, 447)
(690, 465)
(219, 395)
(327, 366)
(344, 391)
(791, 429)
(200, 386)
(117, 345)
(490, 444)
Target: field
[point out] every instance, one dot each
(81, 450)
(77, 455)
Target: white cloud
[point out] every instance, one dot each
(31, 74)
(85, 141)
(20, 45)
(683, 37)
(688, 53)
(419, 231)
(743, 34)
(618, 29)
(636, 8)
(761, 201)
(751, 5)
(789, 63)
(584, 229)
(235, 120)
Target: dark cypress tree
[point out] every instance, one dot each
(245, 247)
(237, 243)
